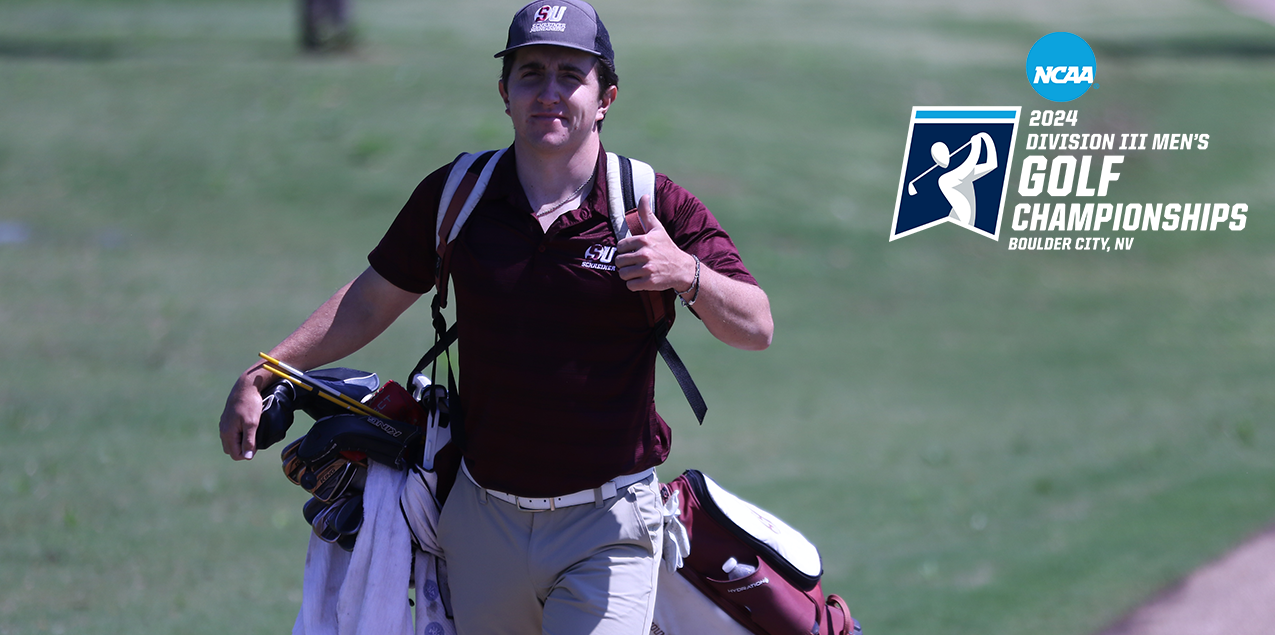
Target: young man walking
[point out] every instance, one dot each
(554, 526)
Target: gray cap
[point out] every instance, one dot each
(570, 23)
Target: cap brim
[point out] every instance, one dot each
(565, 46)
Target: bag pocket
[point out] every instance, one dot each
(775, 606)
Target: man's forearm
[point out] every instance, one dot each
(355, 315)
(352, 317)
(735, 312)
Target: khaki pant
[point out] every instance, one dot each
(582, 570)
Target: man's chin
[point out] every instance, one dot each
(552, 142)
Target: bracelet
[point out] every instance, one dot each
(694, 286)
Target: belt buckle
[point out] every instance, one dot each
(519, 499)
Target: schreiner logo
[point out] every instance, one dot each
(765, 521)
(549, 18)
(751, 586)
(389, 429)
(599, 257)
(1061, 66)
(550, 13)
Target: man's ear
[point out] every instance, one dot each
(504, 94)
(605, 101)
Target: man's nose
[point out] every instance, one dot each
(550, 91)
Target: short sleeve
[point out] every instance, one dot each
(696, 231)
(406, 254)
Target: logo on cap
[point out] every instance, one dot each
(549, 18)
(550, 13)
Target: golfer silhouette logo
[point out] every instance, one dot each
(971, 181)
(957, 185)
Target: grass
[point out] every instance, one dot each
(978, 440)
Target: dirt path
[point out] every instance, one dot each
(1234, 595)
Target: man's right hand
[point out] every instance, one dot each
(242, 414)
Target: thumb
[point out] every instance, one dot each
(248, 443)
(646, 213)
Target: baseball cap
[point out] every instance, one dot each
(570, 23)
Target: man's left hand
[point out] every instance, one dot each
(652, 261)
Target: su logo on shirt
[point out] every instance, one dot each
(599, 256)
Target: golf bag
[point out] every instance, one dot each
(331, 460)
(761, 573)
(284, 398)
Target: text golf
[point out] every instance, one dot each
(1063, 174)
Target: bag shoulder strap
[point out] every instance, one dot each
(465, 186)
(628, 180)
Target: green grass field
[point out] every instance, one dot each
(980, 441)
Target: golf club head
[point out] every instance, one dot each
(276, 414)
(911, 190)
(940, 154)
(355, 384)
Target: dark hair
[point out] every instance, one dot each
(607, 76)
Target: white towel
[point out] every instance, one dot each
(677, 543)
(364, 592)
(431, 585)
(420, 506)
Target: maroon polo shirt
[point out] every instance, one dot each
(556, 356)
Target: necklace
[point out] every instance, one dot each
(565, 200)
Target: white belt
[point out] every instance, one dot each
(597, 495)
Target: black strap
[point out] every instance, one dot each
(626, 184)
(443, 338)
(675, 365)
(684, 380)
(440, 345)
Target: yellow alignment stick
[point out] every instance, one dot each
(348, 404)
(297, 382)
(283, 375)
(335, 397)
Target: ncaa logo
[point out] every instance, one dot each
(956, 169)
(1060, 66)
(550, 14)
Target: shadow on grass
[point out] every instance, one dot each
(73, 50)
(104, 50)
(1229, 47)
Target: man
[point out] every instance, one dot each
(555, 526)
